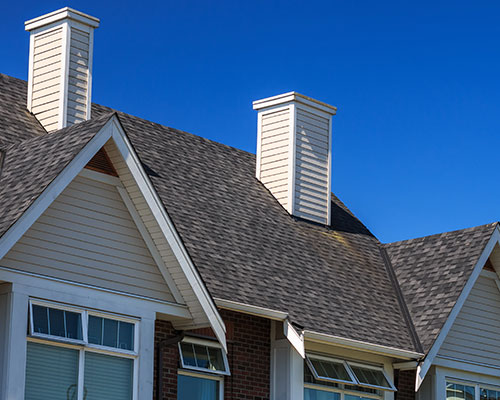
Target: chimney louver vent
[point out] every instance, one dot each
(294, 153)
(60, 67)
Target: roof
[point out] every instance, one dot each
(334, 280)
(432, 272)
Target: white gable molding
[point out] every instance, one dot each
(113, 130)
(148, 192)
(424, 367)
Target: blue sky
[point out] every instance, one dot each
(417, 86)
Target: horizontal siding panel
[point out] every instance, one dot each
(47, 90)
(52, 75)
(475, 334)
(304, 213)
(88, 236)
(48, 37)
(42, 68)
(79, 36)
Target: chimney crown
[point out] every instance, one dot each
(60, 67)
(294, 153)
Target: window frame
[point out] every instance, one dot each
(207, 343)
(342, 392)
(327, 379)
(476, 385)
(373, 367)
(82, 345)
(213, 377)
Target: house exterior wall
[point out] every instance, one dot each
(405, 383)
(88, 236)
(249, 347)
(474, 335)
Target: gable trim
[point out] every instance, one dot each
(424, 367)
(54, 189)
(167, 227)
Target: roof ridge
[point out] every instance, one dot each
(472, 228)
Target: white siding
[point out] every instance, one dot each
(274, 148)
(88, 236)
(475, 335)
(47, 70)
(78, 79)
(311, 174)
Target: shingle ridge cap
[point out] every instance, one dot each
(464, 230)
(176, 130)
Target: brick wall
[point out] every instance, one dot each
(249, 347)
(405, 383)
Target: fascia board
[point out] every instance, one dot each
(152, 199)
(252, 310)
(362, 346)
(61, 14)
(54, 189)
(424, 367)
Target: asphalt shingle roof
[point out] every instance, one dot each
(247, 248)
(432, 272)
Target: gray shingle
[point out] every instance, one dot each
(432, 272)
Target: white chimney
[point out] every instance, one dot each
(60, 67)
(294, 153)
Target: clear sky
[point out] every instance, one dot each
(417, 86)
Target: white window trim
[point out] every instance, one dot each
(343, 392)
(212, 377)
(324, 378)
(208, 343)
(83, 346)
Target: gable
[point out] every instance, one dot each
(87, 235)
(475, 334)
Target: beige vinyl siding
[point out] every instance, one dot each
(47, 70)
(311, 173)
(78, 76)
(475, 334)
(88, 236)
(274, 150)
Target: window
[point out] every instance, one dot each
(341, 371)
(205, 365)
(203, 355)
(328, 378)
(456, 390)
(79, 354)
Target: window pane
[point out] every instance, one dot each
(353, 397)
(51, 372)
(194, 388)
(95, 329)
(73, 325)
(455, 391)
(40, 319)
(107, 377)
(126, 336)
(488, 394)
(110, 333)
(56, 322)
(369, 376)
(201, 356)
(330, 369)
(188, 354)
(216, 359)
(314, 394)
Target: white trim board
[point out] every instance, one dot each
(113, 130)
(424, 367)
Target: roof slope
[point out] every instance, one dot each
(432, 272)
(16, 122)
(248, 248)
(30, 165)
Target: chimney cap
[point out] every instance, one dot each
(293, 96)
(63, 13)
